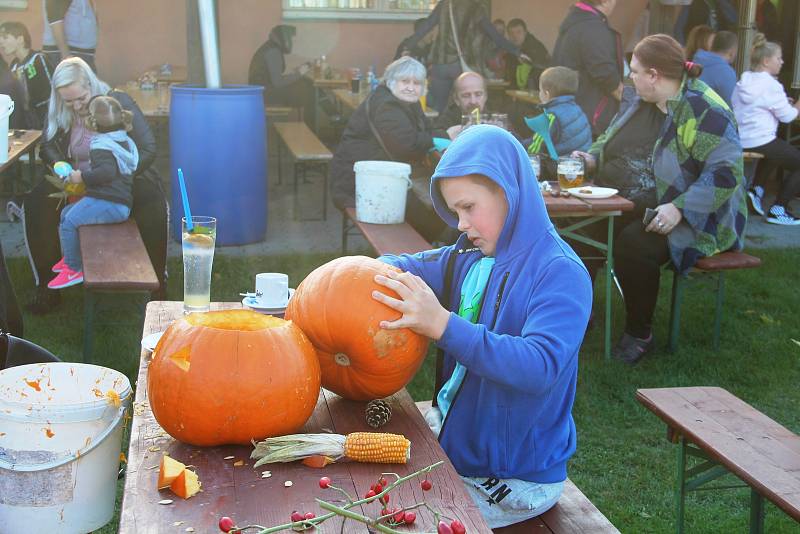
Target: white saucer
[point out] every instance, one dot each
(251, 302)
(149, 342)
(590, 191)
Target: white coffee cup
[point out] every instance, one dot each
(272, 290)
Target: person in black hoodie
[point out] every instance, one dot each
(267, 66)
(587, 44)
(389, 125)
(525, 75)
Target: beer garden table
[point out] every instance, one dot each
(240, 491)
(523, 96)
(582, 213)
(350, 101)
(22, 142)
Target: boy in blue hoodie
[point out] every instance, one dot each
(507, 305)
(569, 127)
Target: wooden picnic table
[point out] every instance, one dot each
(22, 142)
(728, 435)
(531, 97)
(585, 212)
(177, 74)
(240, 491)
(350, 101)
(148, 100)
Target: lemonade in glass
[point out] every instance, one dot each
(198, 257)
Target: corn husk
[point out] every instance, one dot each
(298, 447)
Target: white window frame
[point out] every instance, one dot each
(14, 4)
(380, 12)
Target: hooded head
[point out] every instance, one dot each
(282, 35)
(493, 153)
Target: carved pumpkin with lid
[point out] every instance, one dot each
(227, 377)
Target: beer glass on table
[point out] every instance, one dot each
(570, 172)
(198, 257)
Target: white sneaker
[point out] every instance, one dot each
(756, 195)
(779, 215)
(13, 211)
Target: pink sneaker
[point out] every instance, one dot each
(66, 278)
(60, 266)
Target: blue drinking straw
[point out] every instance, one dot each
(185, 198)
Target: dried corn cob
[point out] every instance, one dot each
(375, 447)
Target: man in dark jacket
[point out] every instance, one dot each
(469, 93)
(587, 44)
(525, 75)
(716, 14)
(267, 66)
(469, 21)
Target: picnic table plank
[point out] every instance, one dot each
(114, 258)
(761, 452)
(301, 141)
(390, 238)
(448, 488)
(241, 493)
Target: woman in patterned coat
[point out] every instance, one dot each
(692, 176)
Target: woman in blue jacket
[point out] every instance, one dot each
(520, 301)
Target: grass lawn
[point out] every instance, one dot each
(624, 463)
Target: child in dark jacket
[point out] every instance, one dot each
(108, 199)
(569, 127)
(520, 301)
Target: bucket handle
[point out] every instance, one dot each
(32, 468)
(7, 112)
(409, 183)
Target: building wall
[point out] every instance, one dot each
(135, 35)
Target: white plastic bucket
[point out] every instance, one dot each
(6, 108)
(60, 441)
(381, 189)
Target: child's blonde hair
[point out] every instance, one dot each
(762, 49)
(559, 81)
(106, 115)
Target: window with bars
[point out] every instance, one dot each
(357, 9)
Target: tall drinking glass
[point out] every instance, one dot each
(198, 256)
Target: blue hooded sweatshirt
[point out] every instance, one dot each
(511, 416)
(717, 73)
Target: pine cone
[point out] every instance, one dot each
(379, 412)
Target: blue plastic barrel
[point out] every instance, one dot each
(218, 137)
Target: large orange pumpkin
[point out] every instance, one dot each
(227, 377)
(335, 309)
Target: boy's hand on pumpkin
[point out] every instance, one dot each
(419, 305)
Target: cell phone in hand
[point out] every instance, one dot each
(649, 215)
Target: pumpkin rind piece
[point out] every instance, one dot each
(168, 471)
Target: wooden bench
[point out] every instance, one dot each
(728, 435)
(384, 238)
(115, 260)
(574, 512)
(715, 265)
(308, 153)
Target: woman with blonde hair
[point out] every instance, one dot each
(760, 103)
(67, 138)
(700, 38)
